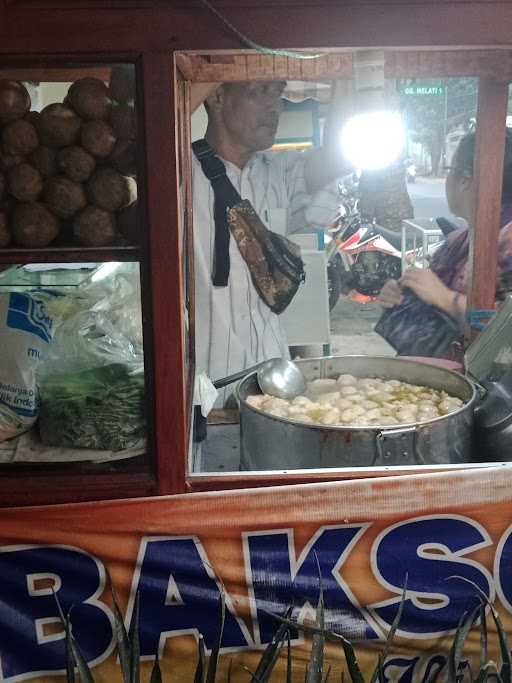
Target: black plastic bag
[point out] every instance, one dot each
(414, 328)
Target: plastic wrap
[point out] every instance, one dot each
(92, 383)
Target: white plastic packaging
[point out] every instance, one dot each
(26, 330)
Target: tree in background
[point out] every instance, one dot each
(430, 117)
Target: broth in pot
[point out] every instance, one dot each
(352, 401)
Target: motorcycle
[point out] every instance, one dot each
(361, 255)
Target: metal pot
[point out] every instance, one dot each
(272, 443)
(493, 419)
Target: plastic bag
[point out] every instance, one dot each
(119, 297)
(92, 383)
(26, 330)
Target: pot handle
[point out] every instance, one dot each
(396, 446)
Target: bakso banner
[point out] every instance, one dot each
(447, 536)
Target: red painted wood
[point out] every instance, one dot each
(244, 480)
(28, 487)
(490, 144)
(229, 5)
(33, 36)
(69, 255)
(189, 26)
(161, 190)
(186, 211)
(62, 75)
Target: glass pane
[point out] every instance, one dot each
(68, 158)
(72, 380)
(72, 387)
(185, 222)
(349, 255)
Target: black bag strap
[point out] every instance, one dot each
(225, 196)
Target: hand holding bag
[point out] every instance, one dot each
(414, 328)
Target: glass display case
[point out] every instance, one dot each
(238, 450)
(77, 420)
(72, 369)
(49, 45)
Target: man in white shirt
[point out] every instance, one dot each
(289, 192)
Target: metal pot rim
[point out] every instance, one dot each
(364, 428)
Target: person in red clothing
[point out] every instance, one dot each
(444, 284)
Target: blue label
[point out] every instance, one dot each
(29, 315)
(12, 405)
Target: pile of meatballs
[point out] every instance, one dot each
(352, 401)
(68, 172)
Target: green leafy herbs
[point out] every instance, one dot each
(101, 408)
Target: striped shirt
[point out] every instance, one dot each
(234, 328)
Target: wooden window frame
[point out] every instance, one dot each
(157, 255)
(169, 377)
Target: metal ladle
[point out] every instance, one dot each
(282, 378)
(278, 377)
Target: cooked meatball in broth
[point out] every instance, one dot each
(367, 401)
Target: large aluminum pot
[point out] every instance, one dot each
(273, 443)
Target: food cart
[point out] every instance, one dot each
(168, 47)
(163, 244)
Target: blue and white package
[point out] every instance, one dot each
(26, 329)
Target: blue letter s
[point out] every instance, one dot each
(430, 552)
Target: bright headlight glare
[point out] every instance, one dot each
(373, 140)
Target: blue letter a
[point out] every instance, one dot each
(178, 594)
(32, 640)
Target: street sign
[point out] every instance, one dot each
(433, 89)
